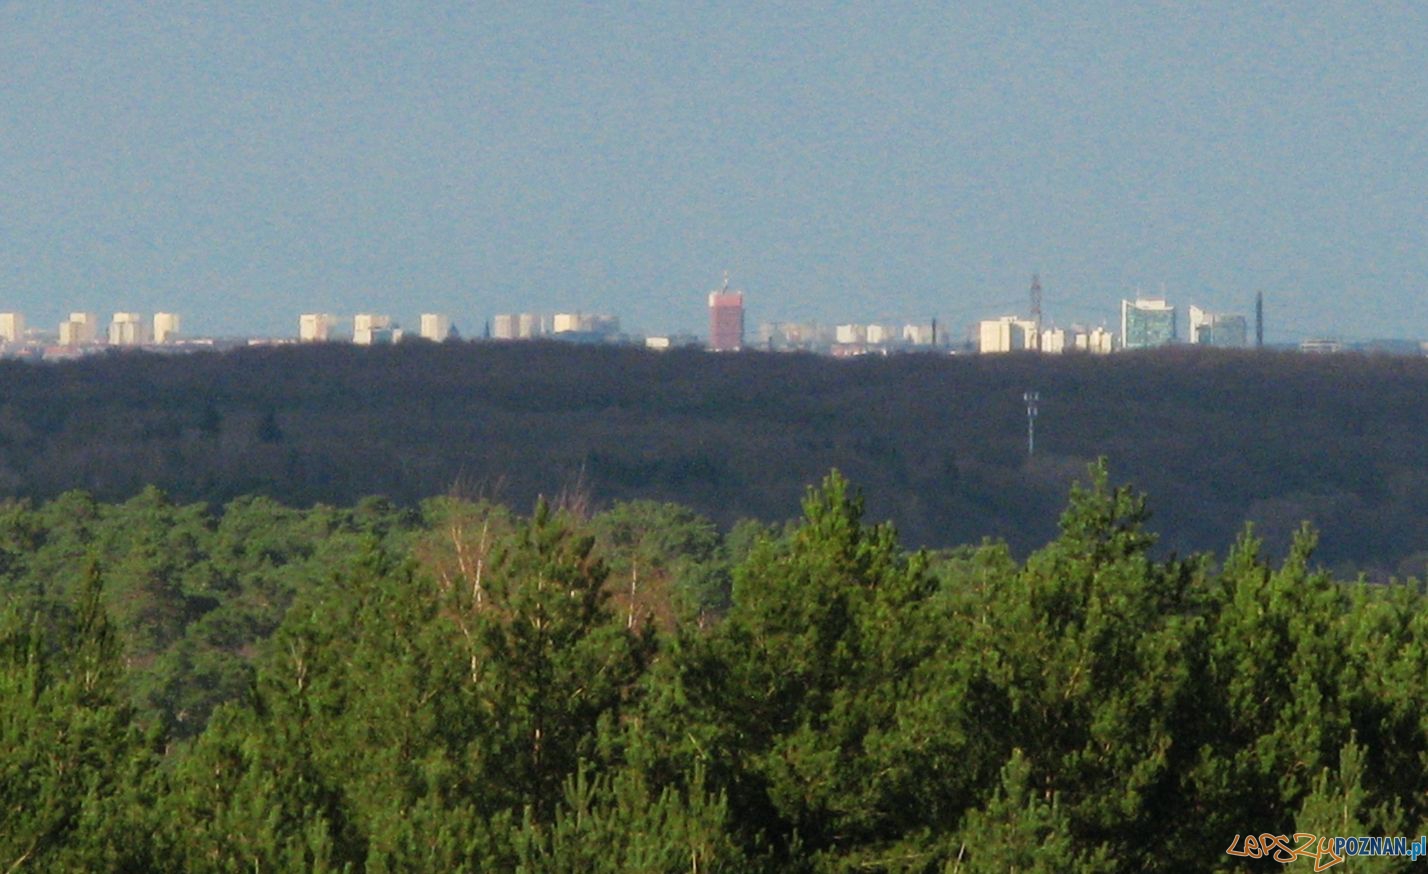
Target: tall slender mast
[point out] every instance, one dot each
(1033, 399)
(1036, 310)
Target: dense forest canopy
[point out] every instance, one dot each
(937, 442)
(459, 687)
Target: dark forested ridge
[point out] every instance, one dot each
(937, 442)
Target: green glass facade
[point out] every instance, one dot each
(1146, 324)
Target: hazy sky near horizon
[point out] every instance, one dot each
(241, 163)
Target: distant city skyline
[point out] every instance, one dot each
(1146, 323)
(723, 333)
(242, 164)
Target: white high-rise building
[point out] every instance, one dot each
(1006, 334)
(880, 334)
(128, 329)
(370, 322)
(166, 327)
(79, 329)
(435, 326)
(370, 328)
(918, 335)
(1097, 341)
(316, 327)
(522, 326)
(580, 323)
(529, 325)
(12, 327)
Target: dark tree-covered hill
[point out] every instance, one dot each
(937, 442)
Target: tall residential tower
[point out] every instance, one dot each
(166, 327)
(726, 319)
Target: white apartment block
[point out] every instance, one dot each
(128, 329)
(918, 335)
(166, 327)
(850, 334)
(12, 327)
(530, 325)
(79, 329)
(370, 322)
(881, 334)
(520, 326)
(583, 323)
(503, 327)
(370, 328)
(1006, 334)
(435, 326)
(1097, 341)
(316, 327)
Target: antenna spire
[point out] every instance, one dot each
(1036, 309)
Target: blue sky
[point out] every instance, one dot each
(242, 163)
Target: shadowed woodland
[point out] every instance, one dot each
(936, 442)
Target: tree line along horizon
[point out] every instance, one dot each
(456, 686)
(937, 443)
